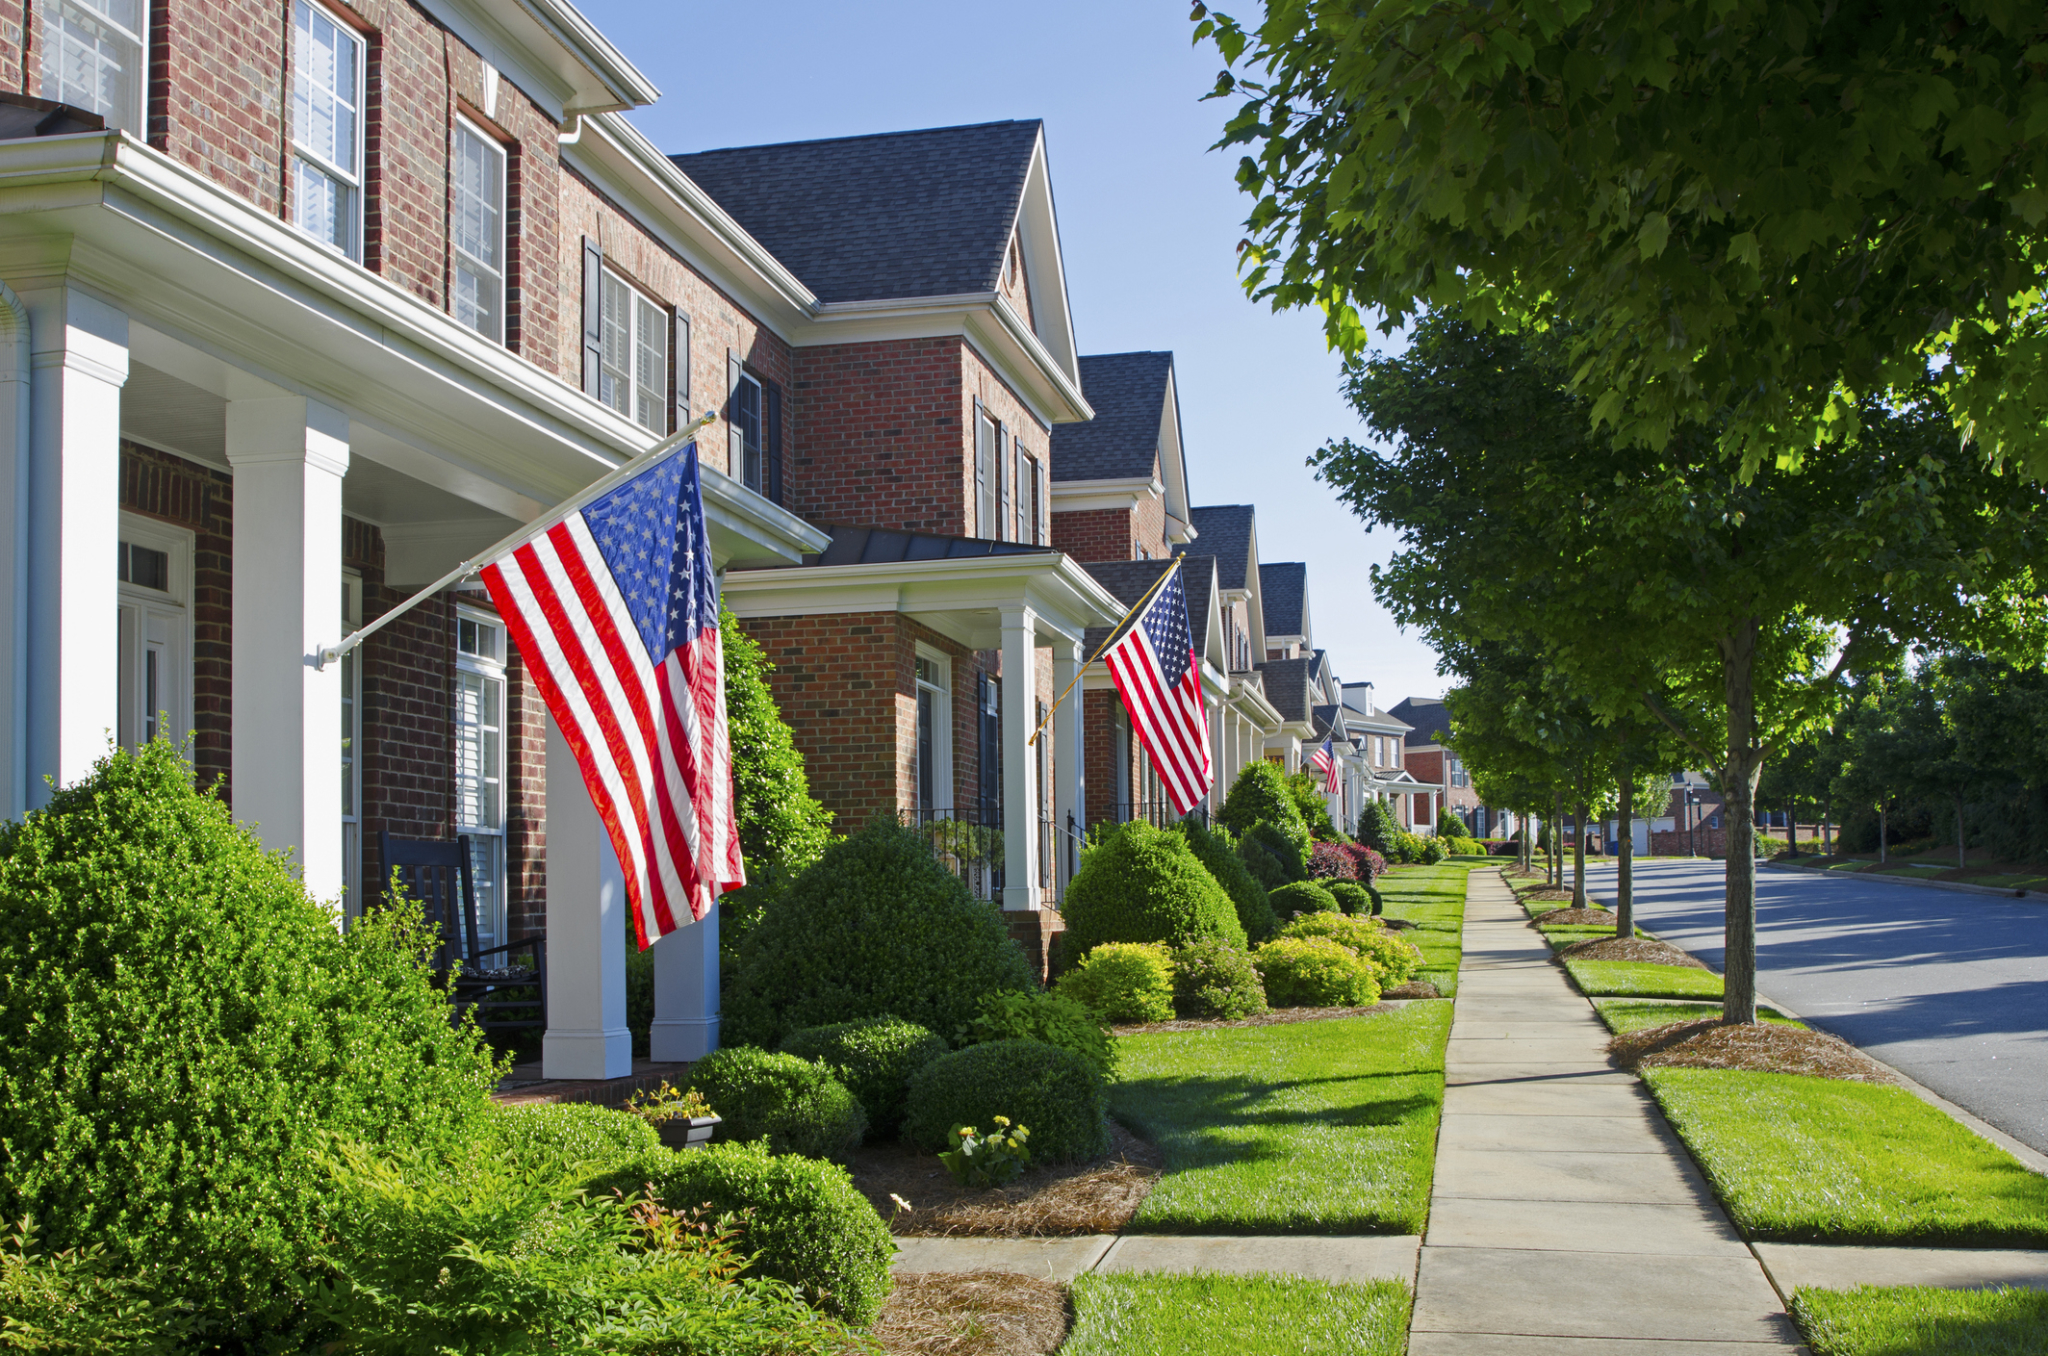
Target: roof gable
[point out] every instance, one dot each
(1228, 532)
(1128, 392)
(1427, 716)
(1287, 687)
(1283, 588)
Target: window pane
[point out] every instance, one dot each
(324, 88)
(479, 232)
(92, 58)
(615, 336)
(650, 368)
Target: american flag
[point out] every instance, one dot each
(1324, 760)
(615, 611)
(1161, 683)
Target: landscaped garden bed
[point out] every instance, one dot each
(1922, 1321)
(1098, 1196)
(973, 1313)
(1709, 1043)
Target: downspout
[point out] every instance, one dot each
(17, 327)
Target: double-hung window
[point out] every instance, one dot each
(327, 129)
(154, 681)
(985, 473)
(747, 448)
(480, 762)
(934, 732)
(633, 344)
(1028, 501)
(92, 57)
(479, 231)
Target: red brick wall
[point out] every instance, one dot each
(1032, 439)
(12, 75)
(1148, 523)
(881, 436)
(1095, 534)
(843, 687)
(216, 92)
(526, 803)
(1098, 740)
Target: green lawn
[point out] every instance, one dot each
(1638, 979)
(1154, 1314)
(1819, 1160)
(1917, 1321)
(1623, 1016)
(1433, 898)
(1310, 1127)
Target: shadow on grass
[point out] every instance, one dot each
(1912, 1321)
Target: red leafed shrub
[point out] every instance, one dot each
(1329, 861)
(1366, 864)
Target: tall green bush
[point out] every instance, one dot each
(1217, 851)
(1306, 789)
(182, 1028)
(877, 927)
(1448, 825)
(1274, 855)
(1377, 829)
(1143, 884)
(874, 1057)
(1260, 793)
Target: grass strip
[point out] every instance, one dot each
(1207, 1314)
(1564, 934)
(1818, 1160)
(1623, 1016)
(1639, 979)
(1432, 898)
(1921, 1321)
(1314, 1127)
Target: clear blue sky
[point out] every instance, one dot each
(1149, 220)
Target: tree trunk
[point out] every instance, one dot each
(1962, 852)
(1579, 858)
(1556, 863)
(1884, 833)
(1827, 829)
(1624, 861)
(1791, 827)
(1738, 786)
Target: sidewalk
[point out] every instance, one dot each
(1565, 1216)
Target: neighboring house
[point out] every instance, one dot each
(1119, 481)
(1430, 758)
(1284, 590)
(1247, 717)
(1385, 744)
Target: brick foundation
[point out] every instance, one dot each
(1038, 934)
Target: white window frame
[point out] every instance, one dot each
(747, 458)
(625, 382)
(987, 466)
(314, 159)
(51, 18)
(941, 688)
(352, 749)
(487, 274)
(487, 840)
(171, 611)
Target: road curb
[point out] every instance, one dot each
(1960, 887)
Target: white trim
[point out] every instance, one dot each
(554, 54)
(352, 180)
(1127, 492)
(943, 791)
(180, 546)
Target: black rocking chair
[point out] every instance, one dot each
(501, 994)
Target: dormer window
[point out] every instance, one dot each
(92, 57)
(327, 129)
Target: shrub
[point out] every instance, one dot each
(1366, 864)
(1408, 848)
(1143, 885)
(1329, 861)
(182, 1027)
(874, 1057)
(1217, 851)
(1050, 1091)
(804, 1217)
(1213, 979)
(566, 1139)
(1351, 897)
(1273, 857)
(1314, 972)
(1305, 788)
(1464, 847)
(796, 1104)
(1378, 831)
(876, 927)
(1123, 982)
(1432, 851)
(1260, 793)
(1305, 896)
(1052, 1018)
(782, 828)
(988, 1158)
(1448, 825)
(1394, 960)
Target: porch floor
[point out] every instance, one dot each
(524, 1086)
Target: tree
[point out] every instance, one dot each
(1875, 771)
(1750, 212)
(1728, 608)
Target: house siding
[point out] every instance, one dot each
(881, 436)
(1094, 535)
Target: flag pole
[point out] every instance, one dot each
(520, 536)
(1136, 608)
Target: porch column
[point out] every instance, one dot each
(68, 652)
(289, 455)
(686, 992)
(1020, 769)
(586, 1035)
(1069, 755)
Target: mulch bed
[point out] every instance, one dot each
(973, 1313)
(1414, 988)
(1050, 1199)
(1556, 918)
(1764, 1047)
(1632, 949)
(1547, 895)
(1277, 1017)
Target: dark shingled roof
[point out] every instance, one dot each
(1225, 532)
(1127, 581)
(1283, 591)
(1287, 686)
(1128, 393)
(873, 546)
(1425, 715)
(901, 214)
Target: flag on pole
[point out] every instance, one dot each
(1324, 760)
(1157, 674)
(615, 611)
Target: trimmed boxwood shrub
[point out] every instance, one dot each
(1378, 830)
(1052, 1018)
(1142, 884)
(181, 1031)
(1307, 896)
(795, 1104)
(1123, 982)
(1314, 972)
(1272, 856)
(874, 1057)
(1260, 794)
(567, 1138)
(1351, 897)
(1213, 979)
(877, 927)
(1050, 1091)
(1394, 960)
(804, 1217)
(1217, 851)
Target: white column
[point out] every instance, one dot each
(1069, 754)
(289, 455)
(79, 362)
(586, 1035)
(1020, 799)
(686, 992)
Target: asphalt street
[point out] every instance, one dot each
(1950, 987)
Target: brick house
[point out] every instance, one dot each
(1431, 759)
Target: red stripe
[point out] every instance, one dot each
(1162, 711)
(1144, 687)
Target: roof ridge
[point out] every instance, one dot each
(862, 136)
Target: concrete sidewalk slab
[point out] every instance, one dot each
(1582, 1050)
(1472, 1344)
(1355, 1257)
(1058, 1259)
(1831, 1267)
(1544, 1293)
(1534, 1174)
(1586, 1134)
(1583, 1226)
(1545, 1097)
(1555, 1075)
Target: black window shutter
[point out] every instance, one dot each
(593, 315)
(771, 437)
(736, 465)
(679, 349)
(1004, 516)
(990, 694)
(978, 528)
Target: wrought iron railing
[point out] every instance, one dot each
(1157, 813)
(968, 841)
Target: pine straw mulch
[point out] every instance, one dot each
(1546, 895)
(1764, 1047)
(1097, 1197)
(1558, 918)
(1635, 949)
(1414, 988)
(973, 1313)
(1277, 1017)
